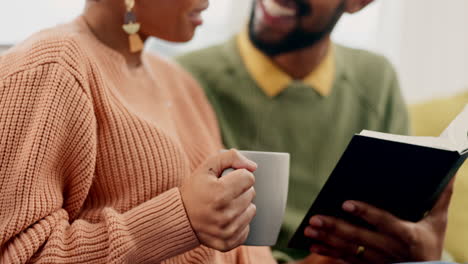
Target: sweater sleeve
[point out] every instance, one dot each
(48, 139)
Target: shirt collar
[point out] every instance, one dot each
(272, 80)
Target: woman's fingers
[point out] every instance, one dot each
(240, 204)
(220, 209)
(230, 159)
(234, 235)
(235, 184)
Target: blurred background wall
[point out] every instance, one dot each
(425, 39)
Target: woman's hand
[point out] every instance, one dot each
(220, 209)
(393, 241)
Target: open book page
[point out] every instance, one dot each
(454, 138)
(457, 131)
(432, 142)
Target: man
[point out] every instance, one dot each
(282, 85)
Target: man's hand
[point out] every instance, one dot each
(393, 241)
(318, 259)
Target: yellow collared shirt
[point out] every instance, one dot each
(272, 80)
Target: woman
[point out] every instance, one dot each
(104, 149)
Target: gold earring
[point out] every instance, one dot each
(131, 27)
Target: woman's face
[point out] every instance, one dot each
(172, 20)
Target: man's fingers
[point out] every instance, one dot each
(383, 221)
(331, 231)
(353, 254)
(380, 219)
(320, 259)
(340, 247)
(441, 207)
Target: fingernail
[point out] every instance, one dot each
(317, 222)
(253, 164)
(311, 232)
(349, 207)
(249, 162)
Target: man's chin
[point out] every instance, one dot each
(269, 41)
(293, 42)
(270, 48)
(269, 36)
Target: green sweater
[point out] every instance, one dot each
(314, 129)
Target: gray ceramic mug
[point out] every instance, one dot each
(271, 187)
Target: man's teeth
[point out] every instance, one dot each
(275, 9)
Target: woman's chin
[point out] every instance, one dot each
(179, 38)
(184, 39)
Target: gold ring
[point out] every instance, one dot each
(360, 251)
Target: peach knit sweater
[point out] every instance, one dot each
(84, 179)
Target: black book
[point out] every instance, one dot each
(403, 175)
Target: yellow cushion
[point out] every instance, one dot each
(430, 119)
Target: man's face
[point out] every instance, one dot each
(281, 26)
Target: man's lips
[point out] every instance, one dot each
(272, 19)
(280, 8)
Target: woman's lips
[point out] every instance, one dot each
(195, 16)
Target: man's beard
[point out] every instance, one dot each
(297, 39)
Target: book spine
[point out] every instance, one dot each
(459, 162)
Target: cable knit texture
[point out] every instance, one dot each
(83, 178)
